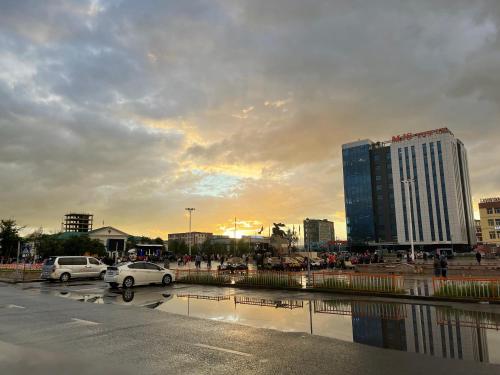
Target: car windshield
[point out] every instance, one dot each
(50, 261)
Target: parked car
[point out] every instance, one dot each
(64, 268)
(317, 263)
(291, 264)
(273, 264)
(234, 264)
(130, 274)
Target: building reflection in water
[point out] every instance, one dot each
(436, 331)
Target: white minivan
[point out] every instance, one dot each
(64, 268)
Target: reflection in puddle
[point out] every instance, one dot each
(433, 330)
(279, 304)
(439, 331)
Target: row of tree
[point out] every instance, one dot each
(242, 247)
(45, 244)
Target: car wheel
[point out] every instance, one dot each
(167, 280)
(128, 282)
(113, 285)
(65, 277)
(101, 275)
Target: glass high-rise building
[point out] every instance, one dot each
(440, 203)
(358, 191)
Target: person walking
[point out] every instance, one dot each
(209, 261)
(478, 257)
(444, 266)
(437, 266)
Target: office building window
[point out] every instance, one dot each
(408, 175)
(497, 210)
(497, 222)
(403, 194)
(436, 192)
(417, 194)
(489, 211)
(492, 235)
(491, 222)
(443, 191)
(428, 188)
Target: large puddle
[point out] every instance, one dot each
(439, 331)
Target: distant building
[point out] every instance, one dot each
(479, 232)
(193, 238)
(318, 233)
(439, 196)
(78, 222)
(113, 239)
(489, 211)
(257, 243)
(223, 241)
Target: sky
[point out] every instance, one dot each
(135, 110)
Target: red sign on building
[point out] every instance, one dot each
(409, 136)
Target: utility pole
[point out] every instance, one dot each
(190, 210)
(407, 184)
(308, 250)
(234, 236)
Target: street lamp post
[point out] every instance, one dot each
(407, 184)
(308, 251)
(190, 210)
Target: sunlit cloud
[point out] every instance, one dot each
(235, 108)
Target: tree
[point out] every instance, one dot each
(82, 244)
(158, 241)
(177, 247)
(48, 245)
(9, 237)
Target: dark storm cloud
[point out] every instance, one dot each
(125, 107)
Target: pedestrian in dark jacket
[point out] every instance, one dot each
(444, 266)
(437, 266)
(478, 257)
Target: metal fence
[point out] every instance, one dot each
(320, 280)
(21, 266)
(358, 282)
(242, 278)
(467, 287)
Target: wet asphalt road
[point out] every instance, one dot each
(41, 333)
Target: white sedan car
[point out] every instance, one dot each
(137, 273)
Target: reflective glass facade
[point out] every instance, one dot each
(383, 194)
(358, 192)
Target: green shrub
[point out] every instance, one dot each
(205, 278)
(470, 290)
(367, 284)
(270, 280)
(334, 283)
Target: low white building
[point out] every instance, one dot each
(113, 239)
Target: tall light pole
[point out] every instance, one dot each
(190, 210)
(308, 250)
(407, 183)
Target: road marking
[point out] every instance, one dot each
(84, 322)
(223, 350)
(15, 307)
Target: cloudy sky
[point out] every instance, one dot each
(134, 110)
